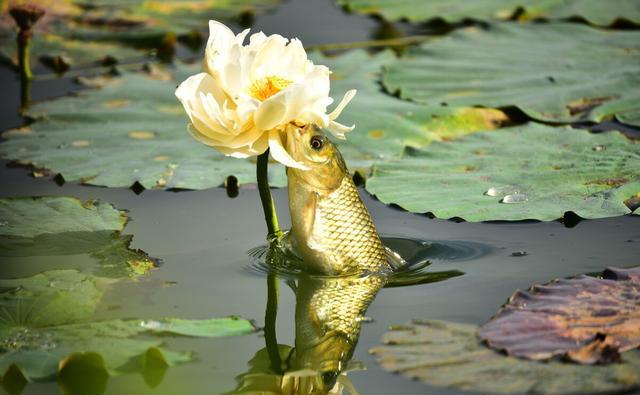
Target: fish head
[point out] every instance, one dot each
(311, 147)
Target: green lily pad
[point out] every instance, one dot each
(384, 124)
(46, 321)
(446, 354)
(67, 226)
(45, 48)
(127, 20)
(527, 172)
(85, 32)
(133, 130)
(31, 217)
(553, 72)
(595, 11)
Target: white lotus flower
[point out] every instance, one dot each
(248, 94)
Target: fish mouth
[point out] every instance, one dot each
(293, 137)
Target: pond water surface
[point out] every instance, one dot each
(202, 239)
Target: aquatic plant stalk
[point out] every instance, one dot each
(24, 49)
(25, 16)
(270, 323)
(274, 233)
(270, 215)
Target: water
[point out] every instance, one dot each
(514, 198)
(203, 239)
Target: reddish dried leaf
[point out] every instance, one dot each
(585, 319)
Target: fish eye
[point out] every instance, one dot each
(316, 143)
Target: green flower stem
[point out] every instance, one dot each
(25, 94)
(24, 50)
(270, 324)
(270, 215)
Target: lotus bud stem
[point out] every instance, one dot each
(25, 16)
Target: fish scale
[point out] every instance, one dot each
(347, 232)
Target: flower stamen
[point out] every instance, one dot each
(266, 87)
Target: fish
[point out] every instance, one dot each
(331, 228)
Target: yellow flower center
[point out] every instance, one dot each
(267, 87)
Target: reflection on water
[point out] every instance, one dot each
(329, 313)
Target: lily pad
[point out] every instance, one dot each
(446, 354)
(553, 72)
(31, 217)
(133, 130)
(595, 11)
(46, 322)
(85, 32)
(384, 124)
(67, 226)
(528, 172)
(585, 319)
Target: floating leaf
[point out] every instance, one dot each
(32, 217)
(86, 32)
(67, 226)
(133, 131)
(586, 319)
(45, 322)
(595, 11)
(554, 73)
(446, 354)
(59, 54)
(528, 172)
(384, 124)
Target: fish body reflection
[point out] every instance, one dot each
(329, 315)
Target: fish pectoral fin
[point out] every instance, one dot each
(309, 214)
(394, 259)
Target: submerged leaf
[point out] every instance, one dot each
(595, 11)
(46, 321)
(446, 354)
(554, 73)
(528, 172)
(586, 319)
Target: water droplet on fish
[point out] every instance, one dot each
(599, 148)
(515, 198)
(501, 190)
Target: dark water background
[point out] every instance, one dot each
(203, 237)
